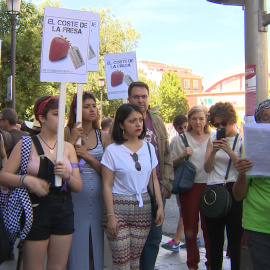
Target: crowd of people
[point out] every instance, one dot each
(117, 175)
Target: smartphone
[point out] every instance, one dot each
(221, 133)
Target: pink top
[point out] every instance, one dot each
(33, 164)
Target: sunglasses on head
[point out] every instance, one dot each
(223, 124)
(137, 164)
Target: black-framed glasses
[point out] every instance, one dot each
(223, 124)
(137, 164)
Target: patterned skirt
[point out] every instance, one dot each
(134, 225)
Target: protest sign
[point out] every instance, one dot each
(93, 53)
(65, 45)
(121, 70)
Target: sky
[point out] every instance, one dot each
(205, 37)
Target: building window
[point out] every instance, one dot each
(195, 84)
(186, 84)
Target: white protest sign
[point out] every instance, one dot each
(121, 71)
(65, 44)
(93, 52)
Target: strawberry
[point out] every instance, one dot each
(116, 77)
(58, 48)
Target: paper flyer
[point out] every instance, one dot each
(65, 45)
(121, 70)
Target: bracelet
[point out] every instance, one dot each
(22, 179)
(110, 215)
(69, 176)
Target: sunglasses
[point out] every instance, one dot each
(181, 128)
(223, 124)
(137, 164)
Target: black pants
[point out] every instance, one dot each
(216, 228)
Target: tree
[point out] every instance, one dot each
(170, 97)
(115, 37)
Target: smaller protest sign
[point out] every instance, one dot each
(121, 71)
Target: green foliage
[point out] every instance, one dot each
(115, 37)
(170, 97)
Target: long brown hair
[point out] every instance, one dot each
(73, 106)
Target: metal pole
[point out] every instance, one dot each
(101, 88)
(13, 20)
(256, 53)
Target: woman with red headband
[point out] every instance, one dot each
(53, 217)
(87, 249)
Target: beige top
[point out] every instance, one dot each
(196, 158)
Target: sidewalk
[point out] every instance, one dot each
(168, 260)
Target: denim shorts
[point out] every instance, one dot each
(54, 215)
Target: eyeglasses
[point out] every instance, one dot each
(137, 164)
(223, 124)
(137, 97)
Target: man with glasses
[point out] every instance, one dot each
(138, 93)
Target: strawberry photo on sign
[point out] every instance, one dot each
(116, 78)
(58, 48)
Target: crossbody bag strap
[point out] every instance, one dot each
(230, 161)
(151, 169)
(185, 141)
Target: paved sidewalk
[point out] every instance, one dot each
(177, 260)
(168, 260)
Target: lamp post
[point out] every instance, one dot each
(101, 83)
(13, 7)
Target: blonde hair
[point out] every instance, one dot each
(196, 109)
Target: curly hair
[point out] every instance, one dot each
(224, 110)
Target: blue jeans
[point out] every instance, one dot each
(151, 246)
(259, 246)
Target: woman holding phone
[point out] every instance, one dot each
(218, 153)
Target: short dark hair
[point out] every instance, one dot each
(106, 122)
(121, 115)
(73, 105)
(179, 120)
(10, 115)
(224, 110)
(51, 105)
(137, 84)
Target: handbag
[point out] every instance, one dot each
(154, 205)
(216, 200)
(15, 201)
(184, 173)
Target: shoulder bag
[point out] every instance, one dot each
(154, 204)
(184, 173)
(216, 200)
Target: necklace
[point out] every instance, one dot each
(87, 134)
(51, 149)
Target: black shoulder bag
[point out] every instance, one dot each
(216, 200)
(154, 204)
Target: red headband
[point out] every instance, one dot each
(42, 106)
